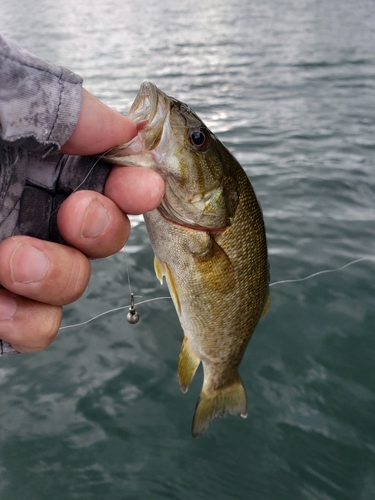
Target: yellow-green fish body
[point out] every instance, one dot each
(209, 242)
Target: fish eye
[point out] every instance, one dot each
(199, 139)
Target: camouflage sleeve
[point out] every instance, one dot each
(39, 102)
(6, 349)
(39, 109)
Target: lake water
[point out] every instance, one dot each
(289, 87)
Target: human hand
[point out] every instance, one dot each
(40, 276)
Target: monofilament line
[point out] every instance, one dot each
(271, 284)
(322, 272)
(127, 270)
(74, 191)
(111, 311)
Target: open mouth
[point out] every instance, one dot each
(149, 111)
(145, 105)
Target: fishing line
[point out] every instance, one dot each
(362, 259)
(112, 310)
(127, 269)
(322, 272)
(74, 190)
(133, 316)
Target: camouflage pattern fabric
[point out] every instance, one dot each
(39, 108)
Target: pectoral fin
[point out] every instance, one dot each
(214, 266)
(188, 363)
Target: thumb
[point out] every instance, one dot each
(98, 128)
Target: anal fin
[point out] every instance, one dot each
(266, 305)
(188, 363)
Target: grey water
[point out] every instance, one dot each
(289, 87)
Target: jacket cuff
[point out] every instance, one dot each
(6, 349)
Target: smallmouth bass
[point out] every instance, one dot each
(209, 241)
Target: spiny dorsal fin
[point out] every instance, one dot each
(188, 363)
(230, 399)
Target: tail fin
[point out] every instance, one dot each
(230, 399)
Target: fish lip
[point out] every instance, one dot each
(150, 111)
(145, 104)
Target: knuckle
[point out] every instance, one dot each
(51, 328)
(77, 279)
(36, 329)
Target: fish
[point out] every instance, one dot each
(209, 240)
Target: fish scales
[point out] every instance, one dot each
(209, 241)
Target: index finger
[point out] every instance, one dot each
(98, 129)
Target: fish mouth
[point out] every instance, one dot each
(145, 104)
(149, 112)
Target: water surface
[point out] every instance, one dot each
(289, 87)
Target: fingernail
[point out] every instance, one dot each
(8, 306)
(28, 264)
(95, 221)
